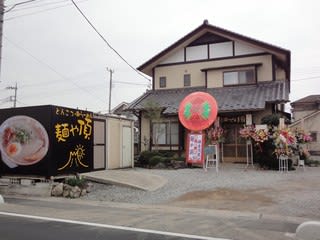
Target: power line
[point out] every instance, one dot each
(102, 37)
(131, 83)
(301, 79)
(52, 69)
(36, 12)
(17, 4)
(39, 5)
(22, 103)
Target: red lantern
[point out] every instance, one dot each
(198, 111)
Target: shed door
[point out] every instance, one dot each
(99, 144)
(127, 146)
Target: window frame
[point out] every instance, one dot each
(167, 133)
(238, 71)
(162, 82)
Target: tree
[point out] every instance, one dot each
(153, 113)
(271, 120)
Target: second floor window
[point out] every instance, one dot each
(239, 77)
(186, 80)
(162, 82)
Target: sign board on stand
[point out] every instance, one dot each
(195, 147)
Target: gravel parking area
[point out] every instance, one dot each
(296, 193)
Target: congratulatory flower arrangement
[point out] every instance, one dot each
(215, 135)
(284, 140)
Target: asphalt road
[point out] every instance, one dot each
(76, 219)
(29, 228)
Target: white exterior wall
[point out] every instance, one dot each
(175, 57)
(174, 73)
(243, 49)
(310, 124)
(197, 53)
(218, 50)
(145, 133)
(297, 115)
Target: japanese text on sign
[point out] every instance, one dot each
(72, 113)
(234, 119)
(83, 127)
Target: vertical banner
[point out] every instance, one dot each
(73, 140)
(195, 145)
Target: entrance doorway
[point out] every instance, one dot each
(234, 147)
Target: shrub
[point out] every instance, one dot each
(271, 120)
(180, 159)
(145, 156)
(76, 181)
(168, 154)
(154, 160)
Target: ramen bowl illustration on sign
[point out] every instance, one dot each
(23, 141)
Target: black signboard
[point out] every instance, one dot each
(45, 141)
(73, 140)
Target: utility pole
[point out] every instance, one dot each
(14, 99)
(110, 87)
(1, 28)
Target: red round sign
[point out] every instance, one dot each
(198, 111)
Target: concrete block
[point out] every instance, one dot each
(4, 181)
(1, 199)
(26, 182)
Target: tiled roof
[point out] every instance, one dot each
(308, 99)
(237, 98)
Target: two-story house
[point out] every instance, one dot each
(249, 79)
(306, 116)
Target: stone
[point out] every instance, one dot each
(67, 187)
(160, 165)
(66, 193)
(83, 192)
(89, 187)
(178, 164)
(75, 192)
(57, 190)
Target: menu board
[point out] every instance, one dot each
(195, 148)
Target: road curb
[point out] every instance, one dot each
(245, 215)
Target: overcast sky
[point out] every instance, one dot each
(55, 57)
